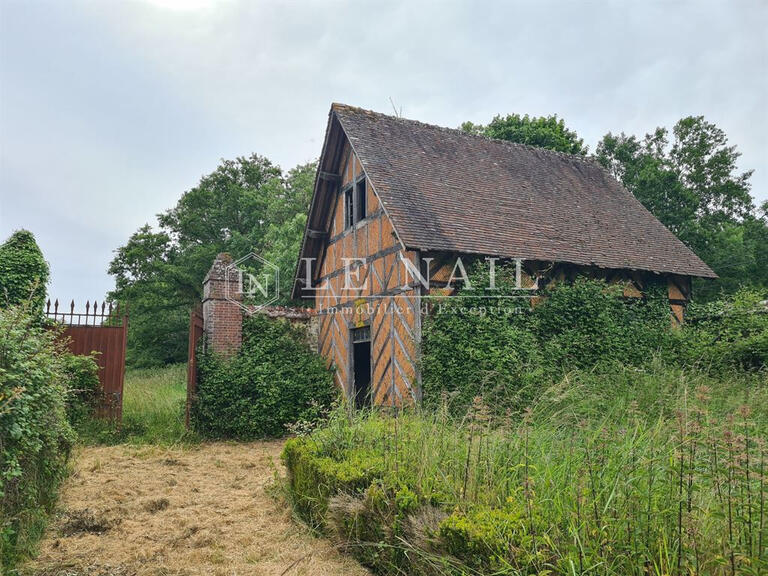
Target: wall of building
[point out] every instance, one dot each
(384, 302)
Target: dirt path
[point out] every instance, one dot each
(203, 510)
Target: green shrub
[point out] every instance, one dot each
(313, 478)
(274, 380)
(729, 333)
(348, 499)
(35, 437)
(504, 357)
(588, 322)
(83, 386)
(23, 272)
(492, 539)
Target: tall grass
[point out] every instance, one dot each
(153, 409)
(658, 471)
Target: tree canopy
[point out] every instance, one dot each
(545, 131)
(689, 180)
(247, 204)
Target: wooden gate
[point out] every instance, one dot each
(195, 333)
(104, 332)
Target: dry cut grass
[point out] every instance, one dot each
(207, 509)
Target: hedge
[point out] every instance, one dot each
(43, 390)
(35, 436)
(273, 382)
(378, 520)
(23, 271)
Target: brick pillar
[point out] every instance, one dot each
(222, 318)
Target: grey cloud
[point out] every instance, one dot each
(109, 111)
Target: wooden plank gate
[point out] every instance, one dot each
(103, 332)
(195, 334)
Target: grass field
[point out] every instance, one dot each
(153, 409)
(626, 472)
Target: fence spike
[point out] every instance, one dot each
(48, 307)
(110, 309)
(56, 307)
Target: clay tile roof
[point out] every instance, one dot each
(447, 190)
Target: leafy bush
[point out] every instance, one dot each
(23, 271)
(35, 437)
(274, 380)
(587, 322)
(729, 333)
(314, 478)
(493, 539)
(474, 346)
(608, 473)
(83, 386)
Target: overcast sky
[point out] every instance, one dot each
(109, 111)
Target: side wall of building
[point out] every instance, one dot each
(362, 282)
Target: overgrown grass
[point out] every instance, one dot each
(616, 472)
(153, 410)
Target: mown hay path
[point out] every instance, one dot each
(206, 509)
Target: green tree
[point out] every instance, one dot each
(245, 205)
(148, 278)
(288, 217)
(646, 171)
(706, 165)
(544, 131)
(692, 185)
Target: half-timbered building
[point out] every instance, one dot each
(396, 202)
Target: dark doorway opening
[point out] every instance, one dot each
(361, 362)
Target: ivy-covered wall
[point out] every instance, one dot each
(502, 349)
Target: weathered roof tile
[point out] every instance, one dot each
(447, 190)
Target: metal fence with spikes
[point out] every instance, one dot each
(109, 314)
(100, 331)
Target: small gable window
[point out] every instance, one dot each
(355, 200)
(360, 198)
(349, 207)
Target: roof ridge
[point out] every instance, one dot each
(566, 155)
